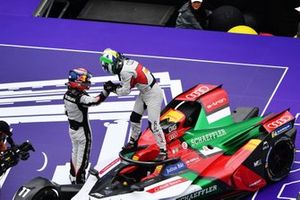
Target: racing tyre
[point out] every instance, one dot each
(46, 194)
(280, 159)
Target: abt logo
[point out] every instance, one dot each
(197, 92)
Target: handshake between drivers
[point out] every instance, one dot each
(109, 86)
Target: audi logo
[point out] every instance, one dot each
(197, 93)
(278, 122)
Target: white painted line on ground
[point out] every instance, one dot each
(254, 195)
(145, 56)
(275, 90)
(282, 188)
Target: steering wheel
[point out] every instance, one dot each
(144, 163)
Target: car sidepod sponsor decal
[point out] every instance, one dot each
(207, 137)
(199, 193)
(217, 99)
(165, 184)
(174, 168)
(282, 129)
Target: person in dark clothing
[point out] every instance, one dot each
(10, 155)
(193, 15)
(5, 136)
(77, 101)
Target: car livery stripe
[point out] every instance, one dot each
(218, 115)
(251, 145)
(109, 166)
(166, 184)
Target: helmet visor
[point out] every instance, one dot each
(85, 79)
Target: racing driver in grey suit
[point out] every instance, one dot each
(77, 101)
(133, 74)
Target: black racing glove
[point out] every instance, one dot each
(109, 86)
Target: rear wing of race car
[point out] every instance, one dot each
(276, 124)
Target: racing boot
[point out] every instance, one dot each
(163, 155)
(72, 175)
(72, 179)
(131, 145)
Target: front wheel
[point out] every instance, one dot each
(47, 194)
(280, 159)
(38, 188)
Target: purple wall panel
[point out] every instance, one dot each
(24, 8)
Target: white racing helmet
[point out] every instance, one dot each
(111, 61)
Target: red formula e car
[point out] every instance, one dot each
(213, 153)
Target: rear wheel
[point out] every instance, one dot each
(280, 159)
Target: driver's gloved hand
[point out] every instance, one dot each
(109, 86)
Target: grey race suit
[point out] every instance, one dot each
(76, 107)
(133, 74)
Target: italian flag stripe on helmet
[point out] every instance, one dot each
(106, 60)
